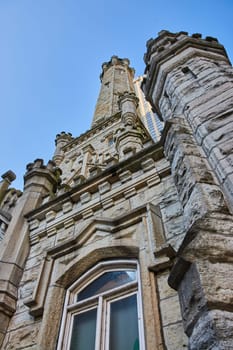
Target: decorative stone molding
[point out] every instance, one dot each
(85, 197)
(36, 301)
(104, 187)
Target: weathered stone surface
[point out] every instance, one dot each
(170, 310)
(25, 339)
(118, 196)
(213, 331)
(165, 291)
(190, 84)
(174, 337)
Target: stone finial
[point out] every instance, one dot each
(9, 176)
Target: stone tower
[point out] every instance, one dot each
(89, 245)
(189, 82)
(116, 78)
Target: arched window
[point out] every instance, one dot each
(103, 309)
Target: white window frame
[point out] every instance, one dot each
(102, 302)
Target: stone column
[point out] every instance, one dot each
(39, 181)
(189, 82)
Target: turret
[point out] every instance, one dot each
(189, 82)
(129, 138)
(39, 180)
(62, 139)
(190, 76)
(116, 78)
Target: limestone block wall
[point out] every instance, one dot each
(128, 211)
(92, 152)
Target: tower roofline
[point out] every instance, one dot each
(167, 42)
(115, 60)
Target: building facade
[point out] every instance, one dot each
(119, 242)
(151, 121)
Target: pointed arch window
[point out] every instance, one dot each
(103, 309)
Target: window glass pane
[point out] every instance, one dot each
(107, 281)
(84, 329)
(124, 324)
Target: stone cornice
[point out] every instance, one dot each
(110, 174)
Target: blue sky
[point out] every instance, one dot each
(51, 53)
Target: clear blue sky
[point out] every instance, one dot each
(51, 53)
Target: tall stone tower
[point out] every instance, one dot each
(90, 244)
(116, 78)
(189, 81)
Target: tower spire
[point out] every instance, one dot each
(116, 78)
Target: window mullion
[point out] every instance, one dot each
(98, 324)
(106, 325)
(140, 313)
